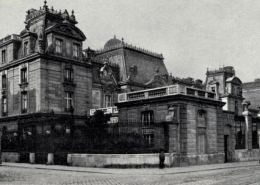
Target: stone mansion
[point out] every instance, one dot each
(50, 86)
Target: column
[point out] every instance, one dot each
(248, 121)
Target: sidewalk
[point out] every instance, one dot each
(142, 171)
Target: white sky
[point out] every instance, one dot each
(191, 34)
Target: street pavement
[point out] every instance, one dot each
(229, 173)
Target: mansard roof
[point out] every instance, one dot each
(67, 30)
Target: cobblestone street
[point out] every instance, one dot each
(24, 174)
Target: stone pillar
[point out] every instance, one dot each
(32, 158)
(248, 122)
(69, 159)
(50, 159)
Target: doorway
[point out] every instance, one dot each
(226, 147)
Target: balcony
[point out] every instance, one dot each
(106, 110)
(166, 91)
(68, 80)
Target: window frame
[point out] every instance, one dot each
(24, 102)
(108, 100)
(3, 56)
(24, 75)
(75, 50)
(68, 101)
(58, 46)
(26, 48)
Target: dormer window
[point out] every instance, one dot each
(3, 56)
(75, 50)
(58, 46)
(24, 75)
(213, 89)
(26, 48)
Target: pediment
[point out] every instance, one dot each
(67, 30)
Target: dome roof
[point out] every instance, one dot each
(112, 42)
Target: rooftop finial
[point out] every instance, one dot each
(45, 7)
(122, 39)
(72, 12)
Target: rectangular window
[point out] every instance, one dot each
(4, 103)
(213, 89)
(69, 101)
(3, 56)
(76, 50)
(24, 75)
(68, 75)
(58, 46)
(26, 48)
(108, 101)
(255, 141)
(4, 82)
(201, 144)
(24, 102)
(240, 135)
(236, 107)
(147, 118)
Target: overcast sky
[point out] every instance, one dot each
(191, 34)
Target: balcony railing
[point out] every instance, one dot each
(166, 91)
(68, 80)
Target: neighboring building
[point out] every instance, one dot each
(204, 126)
(251, 92)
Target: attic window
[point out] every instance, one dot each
(213, 89)
(25, 48)
(3, 56)
(133, 70)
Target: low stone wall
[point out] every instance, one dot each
(118, 160)
(10, 157)
(192, 160)
(247, 155)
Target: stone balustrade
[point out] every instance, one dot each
(166, 91)
(9, 37)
